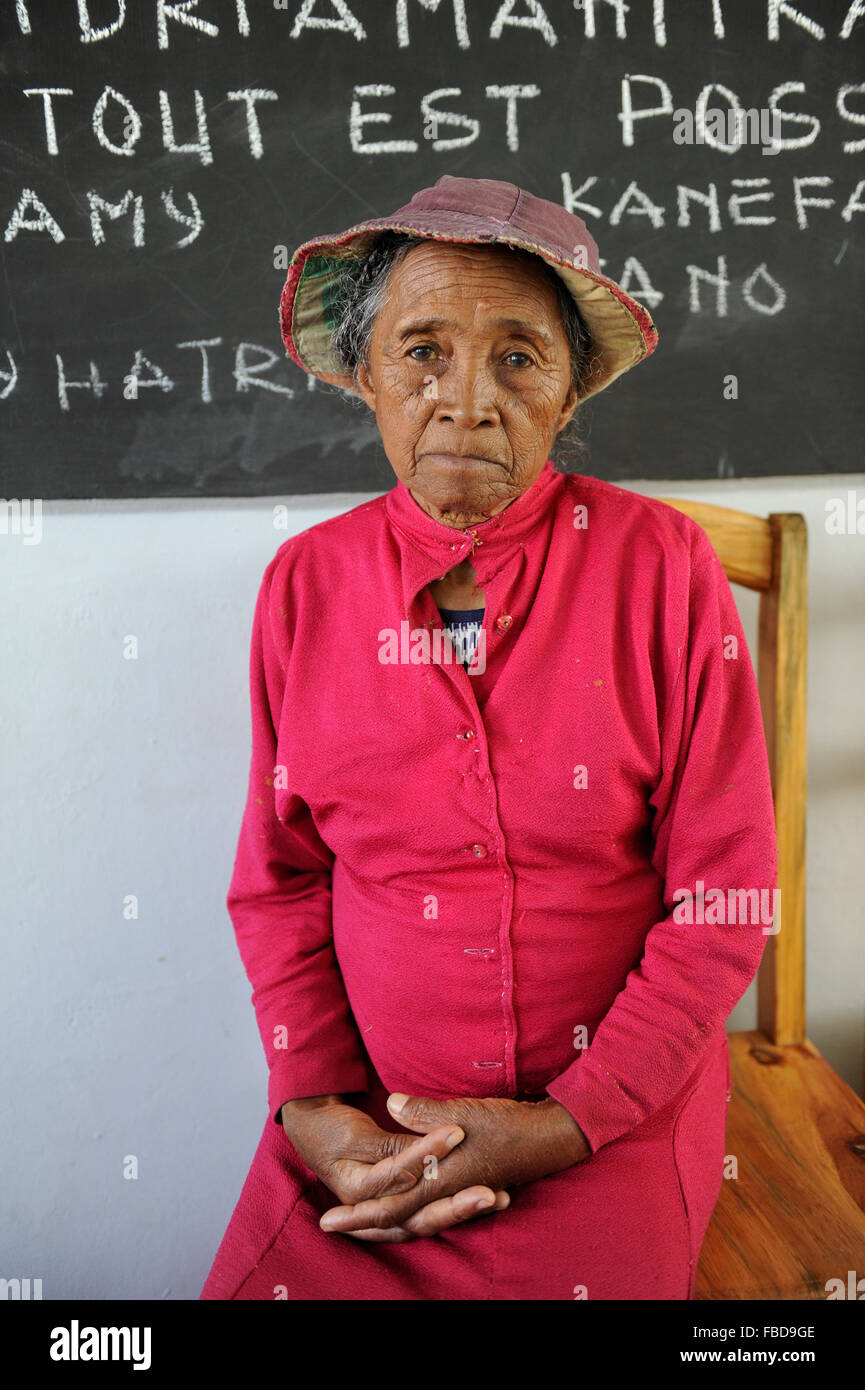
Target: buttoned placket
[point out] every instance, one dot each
(472, 734)
(495, 575)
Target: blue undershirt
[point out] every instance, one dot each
(463, 626)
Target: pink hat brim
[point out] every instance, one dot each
(622, 329)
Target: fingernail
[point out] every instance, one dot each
(485, 1202)
(396, 1102)
(453, 1139)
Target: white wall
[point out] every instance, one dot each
(136, 1037)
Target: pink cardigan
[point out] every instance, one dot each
(476, 884)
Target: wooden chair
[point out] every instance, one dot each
(794, 1217)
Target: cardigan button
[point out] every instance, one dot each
(480, 851)
(503, 622)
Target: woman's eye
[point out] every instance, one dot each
(524, 357)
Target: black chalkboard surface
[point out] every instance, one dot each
(159, 162)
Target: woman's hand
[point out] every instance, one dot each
(507, 1142)
(359, 1162)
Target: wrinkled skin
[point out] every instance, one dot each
(388, 1187)
(474, 388)
(495, 395)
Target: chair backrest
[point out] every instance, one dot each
(770, 554)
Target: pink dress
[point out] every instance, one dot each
(552, 875)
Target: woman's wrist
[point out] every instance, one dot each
(565, 1133)
(305, 1103)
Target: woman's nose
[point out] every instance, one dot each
(467, 394)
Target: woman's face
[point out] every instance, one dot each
(469, 377)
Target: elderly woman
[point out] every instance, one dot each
(465, 884)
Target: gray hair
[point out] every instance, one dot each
(362, 293)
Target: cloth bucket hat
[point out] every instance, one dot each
(482, 211)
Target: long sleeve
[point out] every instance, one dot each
(713, 829)
(279, 901)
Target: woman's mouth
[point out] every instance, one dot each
(458, 460)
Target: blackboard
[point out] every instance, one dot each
(140, 353)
